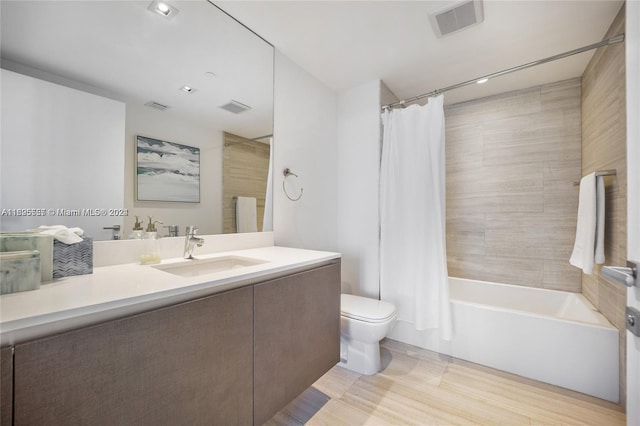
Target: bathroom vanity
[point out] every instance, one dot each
(227, 347)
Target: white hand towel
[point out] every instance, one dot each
(246, 214)
(61, 233)
(583, 248)
(599, 256)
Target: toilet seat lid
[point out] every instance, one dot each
(365, 309)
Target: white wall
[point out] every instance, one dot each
(61, 149)
(358, 172)
(206, 215)
(632, 45)
(332, 141)
(305, 140)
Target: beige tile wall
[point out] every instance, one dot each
(245, 170)
(511, 203)
(603, 148)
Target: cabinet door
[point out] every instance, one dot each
(297, 336)
(6, 386)
(187, 364)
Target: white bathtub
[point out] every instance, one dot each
(552, 336)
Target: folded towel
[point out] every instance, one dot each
(61, 233)
(599, 256)
(246, 215)
(583, 249)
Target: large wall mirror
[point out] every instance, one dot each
(81, 80)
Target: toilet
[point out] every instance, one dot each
(363, 323)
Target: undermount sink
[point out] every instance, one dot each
(196, 267)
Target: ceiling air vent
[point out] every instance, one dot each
(456, 17)
(156, 105)
(235, 107)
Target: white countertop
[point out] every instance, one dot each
(119, 290)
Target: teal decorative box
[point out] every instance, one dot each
(19, 271)
(18, 241)
(72, 259)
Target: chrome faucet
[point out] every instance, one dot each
(190, 241)
(116, 231)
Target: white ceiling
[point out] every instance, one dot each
(121, 47)
(122, 50)
(346, 43)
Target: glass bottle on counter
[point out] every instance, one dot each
(151, 244)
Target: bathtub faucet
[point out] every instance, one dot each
(190, 241)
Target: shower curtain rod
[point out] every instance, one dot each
(612, 40)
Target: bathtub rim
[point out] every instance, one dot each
(602, 323)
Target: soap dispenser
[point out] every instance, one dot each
(151, 249)
(138, 232)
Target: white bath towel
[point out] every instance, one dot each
(61, 233)
(246, 215)
(599, 256)
(583, 248)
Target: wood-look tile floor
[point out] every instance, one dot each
(420, 387)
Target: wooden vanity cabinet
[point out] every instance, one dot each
(6, 386)
(187, 364)
(233, 358)
(297, 336)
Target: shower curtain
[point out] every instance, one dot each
(413, 264)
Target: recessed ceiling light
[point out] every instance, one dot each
(482, 80)
(187, 89)
(210, 74)
(163, 9)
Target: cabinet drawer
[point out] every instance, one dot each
(297, 336)
(185, 364)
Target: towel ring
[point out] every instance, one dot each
(287, 172)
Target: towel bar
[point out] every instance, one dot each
(287, 172)
(611, 172)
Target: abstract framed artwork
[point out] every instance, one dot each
(167, 171)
